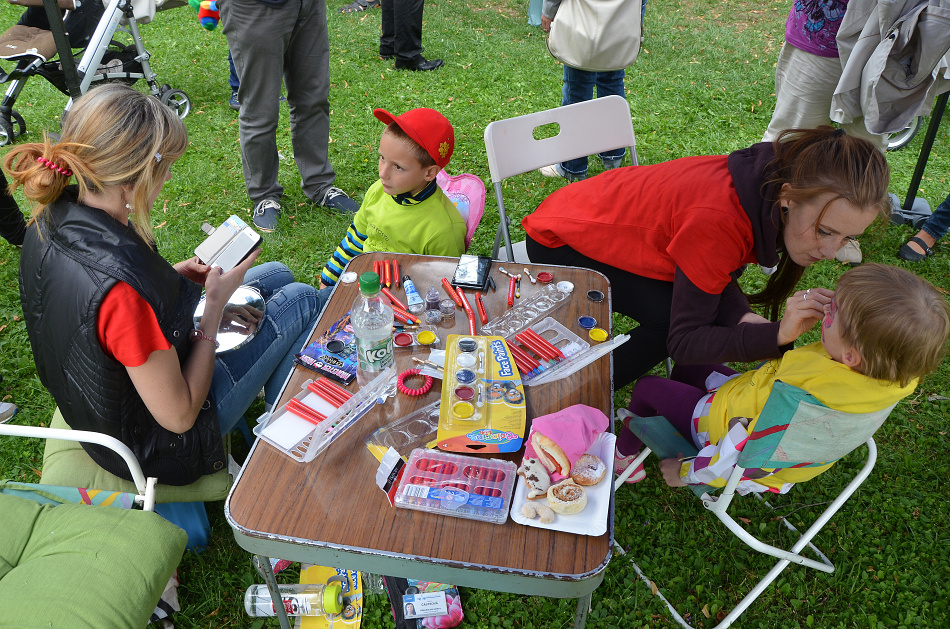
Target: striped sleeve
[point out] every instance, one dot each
(349, 247)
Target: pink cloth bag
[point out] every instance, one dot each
(574, 429)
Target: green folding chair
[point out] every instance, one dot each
(83, 558)
(793, 430)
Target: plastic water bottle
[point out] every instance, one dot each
(372, 319)
(299, 600)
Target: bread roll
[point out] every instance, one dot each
(588, 470)
(550, 454)
(567, 497)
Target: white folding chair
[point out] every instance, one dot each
(793, 430)
(587, 128)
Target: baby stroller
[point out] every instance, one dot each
(90, 26)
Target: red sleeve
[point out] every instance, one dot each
(710, 244)
(128, 328)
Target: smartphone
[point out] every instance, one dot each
(228, 245)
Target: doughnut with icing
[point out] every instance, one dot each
(550, 454)
(535, 477)
(588, 470)
(567, 497)
(533, 510)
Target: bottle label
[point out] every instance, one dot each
(294, 605)
(375, 356)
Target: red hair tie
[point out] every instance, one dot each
(401, 383)
(52, 166)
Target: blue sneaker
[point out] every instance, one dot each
(234, 103)
(266, 215)
(337, 200)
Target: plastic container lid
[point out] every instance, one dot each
(587, 322)
(598, 334)
(595, 295)
(544, 277)
(426, 337)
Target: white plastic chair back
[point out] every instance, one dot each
(587, 128)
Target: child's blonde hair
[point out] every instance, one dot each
(896, 320)
(112, 136)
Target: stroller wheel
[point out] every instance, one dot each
(11, 130)
(176, 100)
(902, 138)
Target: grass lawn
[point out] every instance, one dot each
(703, 85)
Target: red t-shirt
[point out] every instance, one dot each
(127, 327)
(648, 220)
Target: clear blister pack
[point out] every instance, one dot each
(529, 311)
(457, 485)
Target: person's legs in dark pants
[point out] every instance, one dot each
(578, 88)
(646, 301)
(12, 223)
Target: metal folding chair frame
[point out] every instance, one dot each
(587, 128)
(719, 505)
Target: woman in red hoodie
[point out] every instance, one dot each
(673, 239)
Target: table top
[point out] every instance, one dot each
(330, 509)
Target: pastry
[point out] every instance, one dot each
(532, 510)
(588, 470)
(567, 497)
(550, 454)
(535, 477)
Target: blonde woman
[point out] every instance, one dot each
(110, 321)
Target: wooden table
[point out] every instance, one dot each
(330, 511)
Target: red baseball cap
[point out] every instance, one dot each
(427, 128)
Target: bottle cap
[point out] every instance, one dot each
(369, 283)
(333, 592)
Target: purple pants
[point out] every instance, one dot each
(673, 398)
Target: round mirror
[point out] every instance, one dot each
(242, 315)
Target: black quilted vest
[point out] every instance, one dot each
(66, 268)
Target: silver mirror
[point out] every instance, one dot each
(242, 316)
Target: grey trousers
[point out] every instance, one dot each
(268, 44)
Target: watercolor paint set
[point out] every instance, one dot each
(457, 485)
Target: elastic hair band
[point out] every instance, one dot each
(837, 133)
(52, 166)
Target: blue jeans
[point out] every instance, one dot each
(939, 222)
(233, 80)
(291, 312)
(579, 87)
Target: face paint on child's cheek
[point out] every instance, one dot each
(829, 320)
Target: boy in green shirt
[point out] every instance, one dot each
(405, 211)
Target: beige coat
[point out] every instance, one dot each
(894, 58)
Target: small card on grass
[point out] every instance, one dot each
(424, 604)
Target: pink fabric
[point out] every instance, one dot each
(574, 429)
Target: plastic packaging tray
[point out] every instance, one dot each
(415, 430)
(558, 336)
(457, 485)
(541, 304)
(283, 430)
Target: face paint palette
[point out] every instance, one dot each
(423, 336)
(483, 402)
(458, 486)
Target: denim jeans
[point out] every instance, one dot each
(233, 80)
(291, 311)
(579, 87)
(939, 222)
